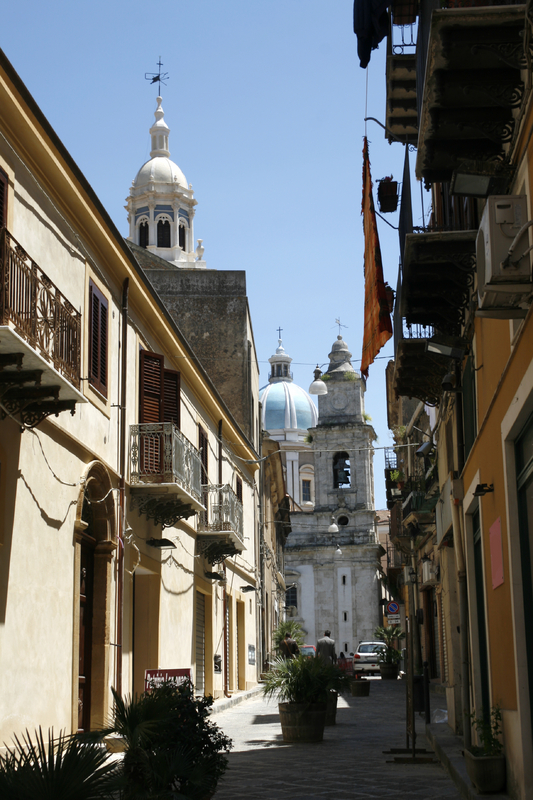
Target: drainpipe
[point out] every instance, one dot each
(122, 484)
(463, 618)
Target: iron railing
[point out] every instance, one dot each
(223, 511)
(37, 310)
(160, 453)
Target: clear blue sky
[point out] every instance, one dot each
(266, 105)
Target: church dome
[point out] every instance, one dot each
(286, 406)
(159, 169)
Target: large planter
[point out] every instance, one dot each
(331, 709)
(360, 688)
(389, 672)
(302, 722)
(487, 773)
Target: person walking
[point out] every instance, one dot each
(288, 647)
(325, 648)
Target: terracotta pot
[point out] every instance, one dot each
(487, 773)
(389, 672)
(302, 722)
(360, 688)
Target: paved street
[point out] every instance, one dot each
(349, 763)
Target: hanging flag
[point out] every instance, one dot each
(378, 326)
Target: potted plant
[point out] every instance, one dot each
(294, 629)
(387, 194)
(171, 746)
(360, 687)
(485, 764)
(303, 686)
(389, 657)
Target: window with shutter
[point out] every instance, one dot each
(238, 488)
(159, 390)
(203, 447)
(98, 336)
(3, 198)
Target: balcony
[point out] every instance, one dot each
(473, 89)
(40, 335)
(220, 525)
(165, 473)
(402, 116)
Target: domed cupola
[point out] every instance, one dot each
(288, 411)
(161, 204)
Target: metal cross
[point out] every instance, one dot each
(338, 322)
(157, 77)
(279, 332)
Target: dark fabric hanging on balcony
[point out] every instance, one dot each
(370, 25)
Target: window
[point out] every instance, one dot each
(144, 234)
(182, 233)
(291, 597)
(98, 334)
(341, 470)
(238, 488)
(306, 491)
(163, 233)
(203, 447)
(3, 198)
(344, 580)
(159, 390)
(345, 616)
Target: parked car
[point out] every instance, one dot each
(308, 650)
(365, 657)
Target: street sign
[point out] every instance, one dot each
(393, 619)
(393, 607)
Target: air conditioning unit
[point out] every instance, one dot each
(504, 283)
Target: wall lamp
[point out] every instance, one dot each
(455, 351)
(333, 528)
(425, 449)
(482, 489)
(481, 178)
(215, 576)
(318, 386)
(449, 383)
(247, 589)
(161, 544)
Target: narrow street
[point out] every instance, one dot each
(349, 763)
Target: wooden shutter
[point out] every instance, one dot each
(159, 390)
(203, 446)
(238, 488)
(98, 335)
(151, 387)
(171, 397)
(3, 198)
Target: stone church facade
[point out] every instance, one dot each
(331, 556)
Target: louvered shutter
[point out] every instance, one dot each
(171, 397)
(151, 387)
(3, 198)
(202, 442)
(98, 335)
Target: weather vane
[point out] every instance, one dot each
(338, 322)
(157, 77)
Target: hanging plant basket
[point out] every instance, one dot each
(387, 195)
(404, 11)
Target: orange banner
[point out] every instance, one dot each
(378, 325)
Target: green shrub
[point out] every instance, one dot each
(303, 680)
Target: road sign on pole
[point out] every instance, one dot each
(393, 608)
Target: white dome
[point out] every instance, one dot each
(287, 406)
(159, 170)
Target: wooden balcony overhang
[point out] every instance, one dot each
(418, 373)
(473, 88)
(402, 117)
(438, 272)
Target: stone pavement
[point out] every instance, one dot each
(349, 763)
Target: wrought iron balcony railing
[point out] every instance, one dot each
(161, 454)
(35, 308)
(223, 513)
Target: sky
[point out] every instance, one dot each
(266, 104)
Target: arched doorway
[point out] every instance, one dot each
(95, 543)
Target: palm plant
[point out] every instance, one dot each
(172, 749)
(388, 635)
(63, 769)
(294, 629)
(303, 680)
